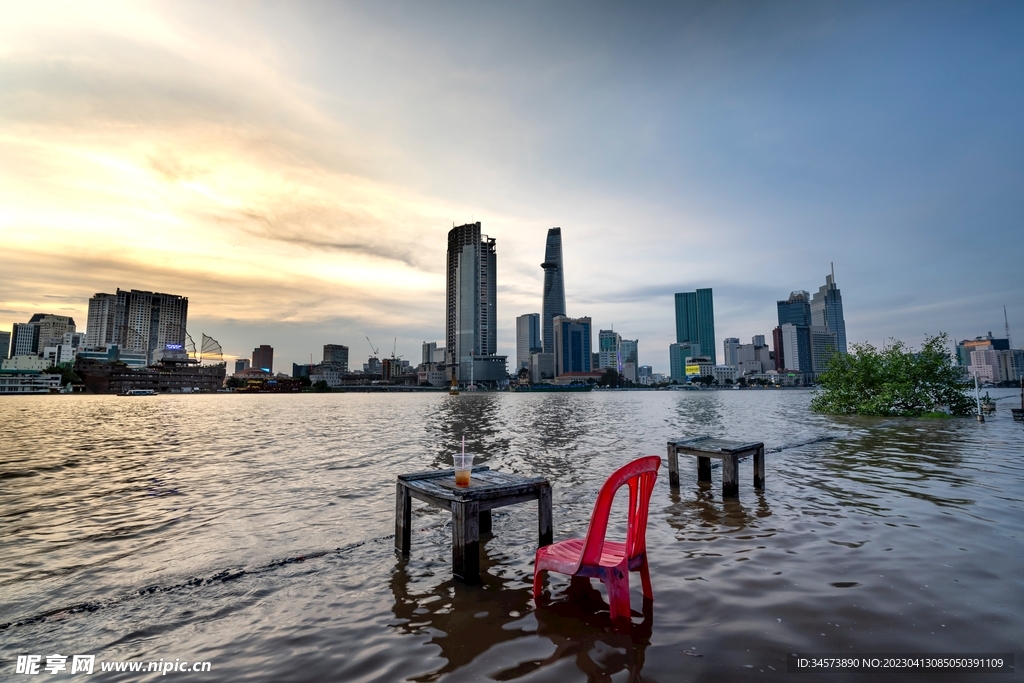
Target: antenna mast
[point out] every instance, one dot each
(1007, 321)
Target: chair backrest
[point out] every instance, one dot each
(640, 475)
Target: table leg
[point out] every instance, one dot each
(466, 541)
(544, 523)
(759, 468)
(673, 465)
(730, 480)
(703, 469)
(485, 521)
(403, 519)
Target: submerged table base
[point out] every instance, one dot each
(729, 452)
(471, 509)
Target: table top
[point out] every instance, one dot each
(712, 447)
(484, 484)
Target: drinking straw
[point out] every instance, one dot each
(463, 444)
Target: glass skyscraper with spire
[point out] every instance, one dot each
(554, 288)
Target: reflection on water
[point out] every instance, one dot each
(255, 532)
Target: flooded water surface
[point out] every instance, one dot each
(255, 532)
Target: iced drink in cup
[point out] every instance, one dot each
(463, 466)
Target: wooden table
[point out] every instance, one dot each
(471, 509)
(729, 452)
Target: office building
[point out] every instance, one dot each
(695, 320)
(754, 358)
(678, 355)
(336, 355)
(988, 342)
(542, 367)
(731, 344)
(301, 370)
(608, 350)
(241, 364)
(5, 345)
(824, 345)
(645, 374)
(793, 343)
(827, 311)
(52, 328)
(471, 308)
(573, 345)
(66, 351)
(553, 303)
(528, 339)
(24, 339)
(263, 358)
(629, 351)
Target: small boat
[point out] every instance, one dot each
(139, 392)
(454, 389)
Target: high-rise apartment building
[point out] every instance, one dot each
(554, 288)
(471, 307)
(528, 339)
(573, 345)
(827, 311)
(263, 358)
(103, 321)
(336, 355)
(138, 321)
(695, 320)
(241, 364)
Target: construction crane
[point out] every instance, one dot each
(1007, 321)
(375, 352)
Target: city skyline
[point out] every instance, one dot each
(219, 155)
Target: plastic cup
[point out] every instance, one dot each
(463, 466)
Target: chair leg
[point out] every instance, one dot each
(617, 581)
(645, 579)
(538, 583)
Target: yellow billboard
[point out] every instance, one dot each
(692, 370)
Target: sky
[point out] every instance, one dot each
(293, 168)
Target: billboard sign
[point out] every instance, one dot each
(692, 370)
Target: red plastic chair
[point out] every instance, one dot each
(609, 561)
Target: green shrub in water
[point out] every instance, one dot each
(893, 381)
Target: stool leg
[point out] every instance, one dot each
(673, 466)
(466, 541)
(545, 532)
(403, 519)
(730, 482)
(759, 468)
(485, 521)
(703, 469)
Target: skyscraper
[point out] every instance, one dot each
(25, 339)
(827, 311)
(792, 337)
(528, 341)
(144, 322)
(731, 347)
(471, 307)
(5, 344)
(263, 358)
(573, 345)
(554, 287)
(695, 320)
